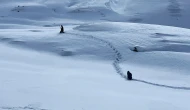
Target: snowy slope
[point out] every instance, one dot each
(85, 68)
(163, 12)
(87, 76)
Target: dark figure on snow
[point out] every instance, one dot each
(62, 29)
(129, 75)
(135, 49)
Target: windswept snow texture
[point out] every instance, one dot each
(163, 12)
(85, 68)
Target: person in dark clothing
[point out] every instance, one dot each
(135, 49)
(62, 29)
(129, 75)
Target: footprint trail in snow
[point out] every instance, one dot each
(118, 59)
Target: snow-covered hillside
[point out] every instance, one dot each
(85, 68)
(162, 12)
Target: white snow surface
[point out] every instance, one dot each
(85, 68)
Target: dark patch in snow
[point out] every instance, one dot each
(66, 53)
(5, 39)
(35, 30)
(17, 42)
(175, 42)
(28, 107)
(49, 25)
(171, 45)
(164, 34)
(174, 48)
(2, 16)
(161, 35)
(39, 46)
(102, 14)
(135, 20)
(82, 10)
(18, 8)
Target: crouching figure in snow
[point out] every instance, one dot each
(135, 49)
(62, 29)
(129, 75)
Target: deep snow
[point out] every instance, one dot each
(85, 68)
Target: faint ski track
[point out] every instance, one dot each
(118, 59)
